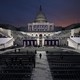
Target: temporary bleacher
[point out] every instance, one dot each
(64, 65)
(17, 65)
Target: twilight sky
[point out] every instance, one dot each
(20, 12)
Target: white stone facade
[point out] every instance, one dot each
(41, 27)
(37, 36)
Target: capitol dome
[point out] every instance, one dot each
(40, 16)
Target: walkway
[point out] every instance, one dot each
(41, 71)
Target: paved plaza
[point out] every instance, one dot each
(41, 71)
(41, 49)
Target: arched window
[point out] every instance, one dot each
(32, 34)
(40, 36)
(36, 35)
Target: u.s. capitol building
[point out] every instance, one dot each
(40, 31)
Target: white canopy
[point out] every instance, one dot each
(4, 40)
(76, 39)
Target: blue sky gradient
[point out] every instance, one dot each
(20, 12)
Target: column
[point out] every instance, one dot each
(31, 43)
(42, 41)
(49, 43)
(24, 43)
(27, 43)
(38, 41)
(45, 43)
(52, 42)
(35, 43)
(56, 43)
